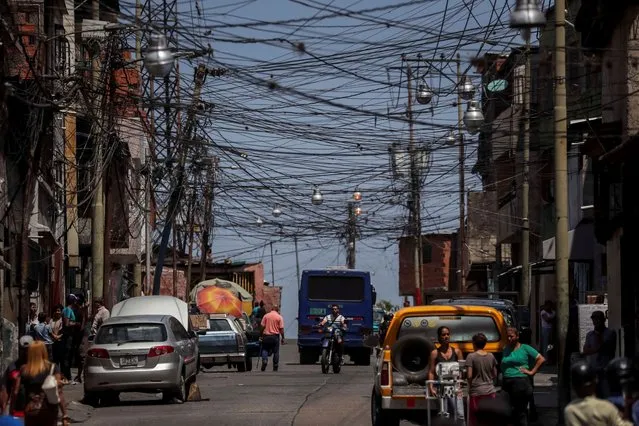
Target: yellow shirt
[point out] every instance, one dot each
(592, 411)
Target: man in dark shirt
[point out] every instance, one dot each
(11, 374)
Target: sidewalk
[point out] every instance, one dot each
(546, 397)
(73, 394)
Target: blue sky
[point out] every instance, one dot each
(316, 91)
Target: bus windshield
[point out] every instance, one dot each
(336, 288)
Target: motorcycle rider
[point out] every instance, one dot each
(336, 321)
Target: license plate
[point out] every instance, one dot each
(128, 361)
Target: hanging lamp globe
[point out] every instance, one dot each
(357, 196)
(527, 15)
(473, 118)
(424, 94)
(317, 198)
(450, 138)
(259, 222)
(466, 89)
(277, 212)
(158, 58)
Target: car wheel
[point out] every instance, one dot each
(181, 393)
(379, 416)
(91, 398)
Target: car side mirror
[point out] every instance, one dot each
(201, 332)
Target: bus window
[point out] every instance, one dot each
(336, 288)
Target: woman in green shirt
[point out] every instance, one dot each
(516, 369)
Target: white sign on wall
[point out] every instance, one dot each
(585, 322)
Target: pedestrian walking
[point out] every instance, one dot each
(272, 329)
(445, 353)
(16, 401)
(39, 411)
(68, 330)
(481, 373)
(519, 362)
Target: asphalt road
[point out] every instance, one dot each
(295, 395)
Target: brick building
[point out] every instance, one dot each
(439, 263)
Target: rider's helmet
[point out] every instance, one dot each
(620, 373)
(582, 374)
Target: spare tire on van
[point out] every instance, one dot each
(410, 356)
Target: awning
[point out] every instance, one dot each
(581, 243)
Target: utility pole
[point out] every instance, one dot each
(297, 262)
(176, 192)
(561, 199)
(189, 264)
(207, 218)
(272, 265)
(103, 106)
(147, 227)
(462, 190)
(351, 233)
(525, 188)
(415, 192)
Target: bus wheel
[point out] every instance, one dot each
(308, 357)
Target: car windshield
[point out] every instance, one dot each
(219, 324)
(462, 327)
(129, 333)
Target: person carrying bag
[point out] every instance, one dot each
(41, 381)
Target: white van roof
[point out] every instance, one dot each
(153, 305)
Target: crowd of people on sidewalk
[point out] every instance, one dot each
(50, 347)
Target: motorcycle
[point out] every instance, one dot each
(330, 356)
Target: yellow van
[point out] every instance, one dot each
(402, 366)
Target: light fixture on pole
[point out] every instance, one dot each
(466, 89)
(473, 118)
(277, 212)
(451, 139)
(527, 15)
(317, 198)
(259, 222)
(424, 94)
(158, 58)
(357, 196)
(358, 211)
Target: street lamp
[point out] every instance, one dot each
(259, 222)
(424, 94)
(527, 15)
(357, 196)
(277, 212)
(466, 89)
(158, 58)
(450, 138)
(473, 118)
(317, 198)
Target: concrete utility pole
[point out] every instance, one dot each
(462, 182)
(297, 262)
(102, 107)
(561, 198)
(176, 192)
(525, 187)
(415, 191)
(351, 233)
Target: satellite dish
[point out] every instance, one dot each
(497, 85)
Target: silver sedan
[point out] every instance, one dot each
(141, 353)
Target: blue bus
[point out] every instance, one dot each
(352, 291)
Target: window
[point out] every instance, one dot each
(178, 330)
(427, 253)
(219, 325)
(334, 288)
(128, 333)
(462, 327)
